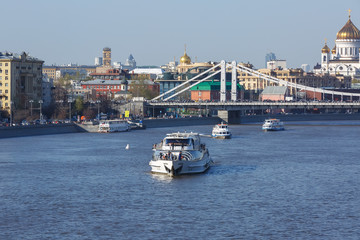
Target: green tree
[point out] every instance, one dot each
(79, 105)
(65, 81)
(139, 88)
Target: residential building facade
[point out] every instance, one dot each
(20, 81)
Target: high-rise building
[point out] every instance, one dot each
(98, 61)
(130, 63)
(20, 81)
(305, 67)
(269, 57)
(107, 57)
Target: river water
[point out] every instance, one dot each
(301, 183)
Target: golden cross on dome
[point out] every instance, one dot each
(349, 12)
(325, 41)
(185, 47)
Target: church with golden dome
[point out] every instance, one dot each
(343, 58)
(186, 65)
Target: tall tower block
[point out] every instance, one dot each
(107, 57)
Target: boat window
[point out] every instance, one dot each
(178, 142)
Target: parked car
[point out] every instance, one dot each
(24, 123)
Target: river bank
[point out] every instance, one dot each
(34, 130)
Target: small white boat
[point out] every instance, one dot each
(273, 124)
(180, 153)
(108, 126)
(221, 131)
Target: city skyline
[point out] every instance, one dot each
(155, 32)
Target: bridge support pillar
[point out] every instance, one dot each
(230, 117)
(233, 81)
(223, 81)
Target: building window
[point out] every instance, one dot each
(6, 64)
(6, 78)
(6, 71)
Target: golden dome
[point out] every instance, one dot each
(333, 51)
(348, 31)
(325, 49)
(185, 59)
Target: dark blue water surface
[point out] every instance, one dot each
(302, 183)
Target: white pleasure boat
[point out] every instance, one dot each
(107, 126)
(273, 124)
(221, 131)
(180, 153)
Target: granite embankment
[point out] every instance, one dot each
(300, 117)
(33, 130)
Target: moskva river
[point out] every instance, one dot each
(301, 183)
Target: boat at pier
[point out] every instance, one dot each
(180, 153)
(221, 131)
(273, 124)
(108, 126)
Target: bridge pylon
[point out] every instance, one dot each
(233, 81)
(223, 81)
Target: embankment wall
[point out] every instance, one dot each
(300, 117)
(34, 130)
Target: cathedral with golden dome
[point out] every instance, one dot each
(343, 58)
(186, 65)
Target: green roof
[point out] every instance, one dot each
(212, 86)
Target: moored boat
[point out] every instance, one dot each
(108, 126)
(180, 153)
(273, 124)
(221, 131)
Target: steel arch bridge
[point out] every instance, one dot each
(221, 68)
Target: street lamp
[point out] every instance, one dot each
(31, 103)
(41, 102)
(11, 103)
(98, 102)
(70, 101)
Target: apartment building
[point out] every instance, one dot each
(20, 80)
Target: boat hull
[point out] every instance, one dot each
(221, 136)
(179, 167)
(272, 129)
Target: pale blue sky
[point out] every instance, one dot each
(155, 31)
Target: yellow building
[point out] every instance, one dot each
(297, 76)
(56, 72)
(50, 71)
(20, 80)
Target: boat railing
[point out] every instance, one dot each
(174, 156)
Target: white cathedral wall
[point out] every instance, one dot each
(347, 49)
